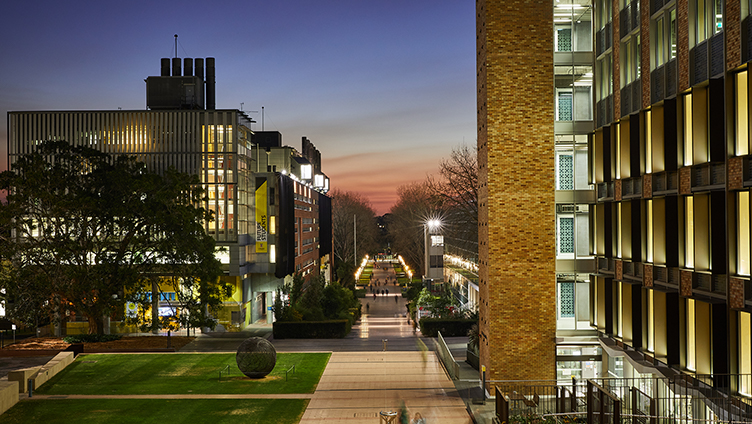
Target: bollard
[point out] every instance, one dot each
(483, 389)
(30, 386)
(384, 344)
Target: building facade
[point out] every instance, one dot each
(517, 231)
(268, 222)
(670, 160)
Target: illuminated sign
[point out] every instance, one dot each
(262, 225)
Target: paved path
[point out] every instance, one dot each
(378, 367)
(357, 386)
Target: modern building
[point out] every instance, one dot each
(517, 220)
(271, 212)
(670, 159)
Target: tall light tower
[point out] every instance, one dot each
(433, 251)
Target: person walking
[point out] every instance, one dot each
(368, 307)
(418, 419)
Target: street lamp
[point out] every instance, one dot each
(433, 250)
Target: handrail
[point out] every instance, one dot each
(225, 370)
(288, 371)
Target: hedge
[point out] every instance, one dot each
(449, 327)
(334, 329)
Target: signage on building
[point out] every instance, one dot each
(262, 225)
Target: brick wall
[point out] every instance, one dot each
(615, 49)
(685, 284)
(516, 214)
(645, 51)
(735, 174)
(736, 293)
(733, 30)
(682, 22)
(685, 180)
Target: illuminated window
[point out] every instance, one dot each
(689, 232)
(743, 235)
(687, 129)
(691, 335)
(742, 115)
(651, 321)
(649, 238)
(272, 254)
(648, 142)
(745, 353)
(272, 224)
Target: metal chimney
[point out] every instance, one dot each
(187, 67)
(176, 67)
(210, 84)
(199, 65)
(165, 67)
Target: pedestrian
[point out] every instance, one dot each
(418, 419)
(368, 307)
(382, 293)
(387, 291)
(374, 295)
(395, 299)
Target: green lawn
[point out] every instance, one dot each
(181, 373)
(193, 411)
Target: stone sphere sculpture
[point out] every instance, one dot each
(256, 357)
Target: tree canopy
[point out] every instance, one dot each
(346, 208)
(83, 230)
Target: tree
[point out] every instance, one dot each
(457, 187)
(416, 204)
(85, 230)
(352, 211)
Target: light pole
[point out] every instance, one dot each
(433, 250)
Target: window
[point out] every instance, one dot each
(687, 104)
(745, 353)
(566, 235)
(708, 17)
(649, 230)
(691, 362)
(648, 142)
(664, 32)
(563, 39)
(630, 60)
(572, 28)
(743, 235)
(564, 105)
(718, 20)
(742, 114)
(689, 232)
(603, 9)
(605, 77)
(566, 299)
(672, 29)
(565, 171)
(651, 321)
(660, 35)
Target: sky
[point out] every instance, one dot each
(384, 89)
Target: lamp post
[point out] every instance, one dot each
(433, 250)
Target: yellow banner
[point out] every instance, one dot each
(262, 226)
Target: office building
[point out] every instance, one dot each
(273, 219)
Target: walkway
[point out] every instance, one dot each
(378, 367)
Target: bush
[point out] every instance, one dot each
(449, 327)
(334, 329)
(91, 338)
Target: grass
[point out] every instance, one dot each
(194, 411)
(181, 373)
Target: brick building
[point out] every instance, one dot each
(670, 160)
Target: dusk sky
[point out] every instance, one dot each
(384, 89)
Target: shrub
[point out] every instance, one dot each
(91, 338)
(449, 327)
